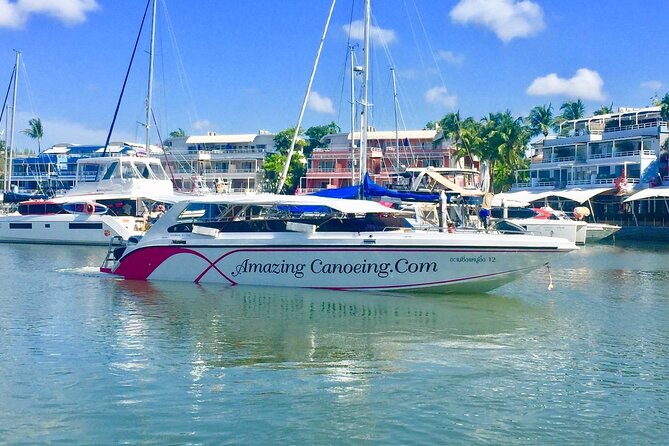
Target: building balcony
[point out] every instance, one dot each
(597, 158)
(329, 169)
(586, 184)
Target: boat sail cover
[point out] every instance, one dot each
(370, 189)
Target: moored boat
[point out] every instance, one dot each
(113, 197)
(316, 242)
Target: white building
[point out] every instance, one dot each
(233, 163)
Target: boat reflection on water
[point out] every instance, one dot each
(292, 327)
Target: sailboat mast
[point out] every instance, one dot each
(289, 155)
(365, 79)
(10, 143)
(150, 84)
(352, 115)
(397, 133)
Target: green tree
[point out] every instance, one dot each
(664, 107)
(465, 134)
(274, 163)
(35, 131)
(178, 133)
(604, 110)
(573, 110)
(273, 167)
(570, 110)
(316, 133)
(505, 139)
(431, 125)
(540, 120)
(283, 139)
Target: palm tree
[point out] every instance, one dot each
(466, 135)
(35, 131)
(540, 120)
(179, 133)
(571, 110)
(664, 107)
(605, 110)
(505, 140)
(470, 141)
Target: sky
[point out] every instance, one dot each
(232, 67)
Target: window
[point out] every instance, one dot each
(128, 171)
(85, 225)
(20, 226)
(110, 171)
(158, 171)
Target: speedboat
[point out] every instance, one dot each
(544, 221)
(317, 242)
(114, 196)
(599, 231)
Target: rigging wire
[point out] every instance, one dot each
(346, 62)
(429, 45)
(9, 88)
(167, 161)
(125, 81)
(191, 111)
(26, 82)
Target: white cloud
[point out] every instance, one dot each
(652, 85)
(10, 15)
(320, 104)
(202, 124)
(440, 96)
(506, 18)
(451, 57)
(70, 12)
(585, 84)
(376, 34)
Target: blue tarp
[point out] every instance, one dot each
(370, 189)
(17, 197)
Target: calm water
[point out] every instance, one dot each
(86, 359)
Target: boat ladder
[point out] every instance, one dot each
(114, 243)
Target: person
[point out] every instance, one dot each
(451, 227)
(484, 215)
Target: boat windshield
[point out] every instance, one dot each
(158, 171)
(244, 217)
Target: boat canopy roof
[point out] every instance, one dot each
(524, 198)
(336, 204)
(651, 192)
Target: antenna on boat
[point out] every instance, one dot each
(284, 173)
(10, 143)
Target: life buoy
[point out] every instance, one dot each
(89, 208)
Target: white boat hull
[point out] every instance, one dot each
(574, 231)
(385, 261)
(600, 231)
(67, 229)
